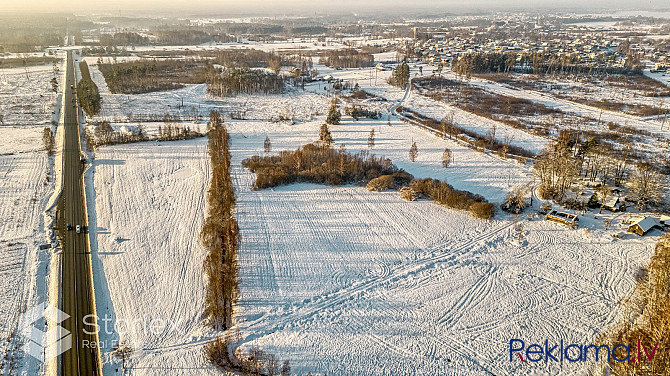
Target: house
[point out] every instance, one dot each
(643, 225)
(565, 218)
(665, 220)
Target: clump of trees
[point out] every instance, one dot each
(144, 76)
(444, 194)
(358, 112)
(48, 140)
(87, 92)
(235, 81)
(220, 232)
(646, 186)
(317, 163)
(172, 130)
(557, 167)
(647, 319)
(400, 75)
(253, 362)
(347, 58)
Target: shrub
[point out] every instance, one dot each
(483, 210)
(382, 183)
(408, 194)
(444, 194)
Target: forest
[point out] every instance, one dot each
(235, 81)
(144, 76)
(347, 58)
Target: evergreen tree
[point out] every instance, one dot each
(334, 115)
(267, 146)
(324, 135)
(371, 138)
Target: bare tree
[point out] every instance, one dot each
(491, 135)
(413, 152)
(48, 140)
(446, 158)
(447, 125)
(646, 185)
(123, 351)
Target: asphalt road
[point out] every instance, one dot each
(76, 279)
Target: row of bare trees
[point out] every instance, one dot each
(220, 232)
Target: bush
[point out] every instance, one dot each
(408, 194)
(546, 192)
(444, 194)
(483, 210)
(382, 183)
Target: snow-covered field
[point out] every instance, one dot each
(26, 97)
(147, 261)
(24, 191)
(340, 280)
(350, 282)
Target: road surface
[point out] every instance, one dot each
(76, 279)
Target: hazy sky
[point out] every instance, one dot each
(321, 6)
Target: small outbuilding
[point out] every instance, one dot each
(612, 204)
(643, 225)
(565, 218)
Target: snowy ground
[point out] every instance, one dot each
(147, 260)
(351, 282)
(339, 279)
(26, 97)
(24, 191)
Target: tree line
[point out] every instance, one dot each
(647, 319)
(220, 232)
(537, 63)
(87, 92)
